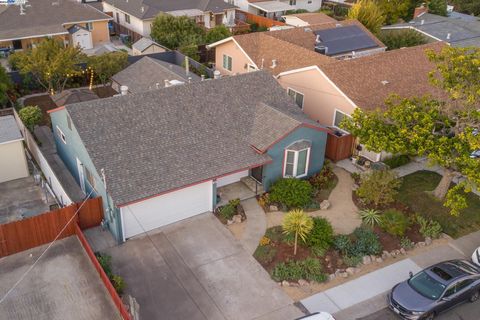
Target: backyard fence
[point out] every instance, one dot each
(253, 18)
(339, 147)
(52, 180)
(28, 233)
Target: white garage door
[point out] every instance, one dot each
(165, 209)
(83, 39)
(223, 181)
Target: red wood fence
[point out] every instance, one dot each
(28, 233)
(339, 148)
(253, 18)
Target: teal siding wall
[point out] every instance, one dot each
(274, 170)
(69, 153)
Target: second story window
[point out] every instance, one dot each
(227, 62)
(127, 18)
(297, 96)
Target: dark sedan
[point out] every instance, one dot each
(435, 289)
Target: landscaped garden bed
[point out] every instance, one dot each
(231, 213)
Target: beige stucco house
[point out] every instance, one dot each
(13, 162)
(69, 21)
(329, 88)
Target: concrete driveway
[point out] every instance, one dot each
(195, 269)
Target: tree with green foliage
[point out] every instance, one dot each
(369, 14)
(394, 10)
(298, 224)
(438, 7)
(396, 39)
(30, 116)
(467, 6)
(104, 66)
(445, 132)
(50, 64)
(6, 87)
(175, 32)
(217, 33)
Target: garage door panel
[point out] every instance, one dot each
(166, 209)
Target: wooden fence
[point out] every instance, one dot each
(28, 233)
(253, 18)
(339, 148)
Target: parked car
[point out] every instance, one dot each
(476, 257)
(317, 316)
(435, 289)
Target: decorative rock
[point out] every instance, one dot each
(230, 222)
(273, 208)
(397, 252)
(324, 205)
(366, 260)
(386, 255)
(337, 272)
(428, 241)
(294, 284)
(343, 274)
(285, 283)
(237, 218)
(355, 186)
(403, 251)
(379, 260)
(351, 271)
(421, 244)
(331, 277)
(373, 257)
(303, 282)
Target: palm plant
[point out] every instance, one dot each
(297, 223)
(370, 217)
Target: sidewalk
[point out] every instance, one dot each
(367, 294)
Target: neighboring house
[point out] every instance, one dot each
(159, 156)
(149, 73)
(134, 17)
(458, 29)
(283, 50)
(307, 19)
(69, 21)
(13, 161)
(146, 46)
(274, 9)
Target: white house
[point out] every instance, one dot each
(13, 162)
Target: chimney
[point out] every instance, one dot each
(274, 63)
(419, 11)
(123, 90)
(216, 74)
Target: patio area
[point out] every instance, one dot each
(236, 190)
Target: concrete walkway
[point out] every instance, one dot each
(256, 225)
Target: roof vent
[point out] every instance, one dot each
(274, 63)
(216, 74)
(143, 9)
(307, 29)
(449, 35)
(422, 22)
(338, 25)
(123, 90)
(157, 85)
(321, 49)
(385, 82)
(317, 39)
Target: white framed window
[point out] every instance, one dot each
(61, 135)
(298, 97)
(227, 62)
(338, 118)
(293, 2)
(296, 163)
(89, 26)
(127, 18)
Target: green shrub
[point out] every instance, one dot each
(396, 39)
(397, 161)
(324, 179)
(234, 202)
(370, 217)
(343, 243)
(105, 262)
(352, 261)
(275, 233)
(31, 116)
(378, 187)
(308, 269)
(366, 243)
(321, 236)
(394, 222)
(291, 193)
(118, 283)
(406, 243)
(265, 254)
(429, 228)
(227, 211)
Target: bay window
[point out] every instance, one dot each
(296, 160)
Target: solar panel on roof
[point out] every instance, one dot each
(345, 39)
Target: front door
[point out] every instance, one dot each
(17, 44)
(257, 173)
(81, 175)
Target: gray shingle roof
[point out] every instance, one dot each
(155, 141)
(44, 17)
(151, 8)
(144, 43)
(144, 75)
(8, 129)
(457, 29)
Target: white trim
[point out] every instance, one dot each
(324, 75)
(11, 141)
(412, 28)
(122, 225)
(335, 116)
(36, 36)
(62, 135)
(295, 97)
(85, 21)
(223, 62)
(295, 162)
(251, 68)
(239, 46)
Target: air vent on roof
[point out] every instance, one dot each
(449, 35)
(338, 25)
(307, 29)
(143, 9)
(422, 22)
(274, 63)
(385, 82)
(321, 49)
(317, 39)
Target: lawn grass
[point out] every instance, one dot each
(413, 193)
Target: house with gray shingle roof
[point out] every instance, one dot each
(166, 154)
(68, 21)
(134, 17)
